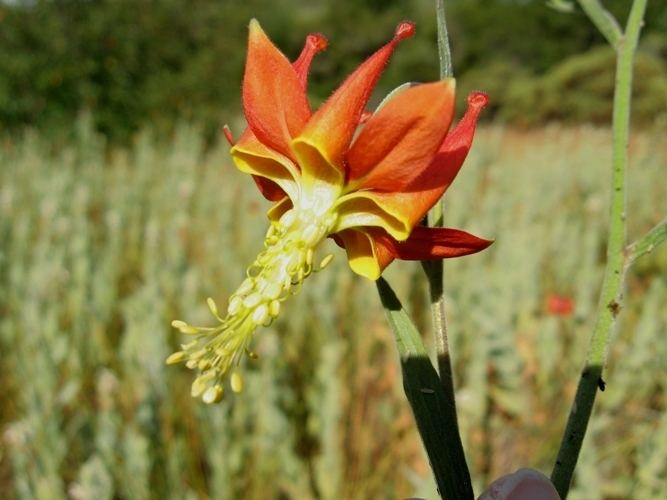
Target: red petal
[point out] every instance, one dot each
(315, 43)
(329, 132)
(400, 140)
(274, 101)
(456, 145)
(269, 189)
(429, 243)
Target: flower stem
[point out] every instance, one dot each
(647, 243)
(603, 20)
(612, 288)
(435, 269)
(430, 404)
(435, 274)
(444, 52)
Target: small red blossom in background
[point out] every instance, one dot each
(560, 305)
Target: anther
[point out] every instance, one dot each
(288, 218)
(213, 307)
(234, 305)
(272, 291)
(176, 357)
(198, 387)
(213, 394)
(311, 235)
(326, 261)
(252, 300)
(274, 308)
(261, 314)
(247, 286)
(236, 382)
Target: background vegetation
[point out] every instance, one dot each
(120, 211)
(98, 253)
(134, 63)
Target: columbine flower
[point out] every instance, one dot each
(367, 187)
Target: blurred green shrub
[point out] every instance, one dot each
(134, 63)
(581, 89)
(101, 248)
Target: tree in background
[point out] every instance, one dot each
(133, 64)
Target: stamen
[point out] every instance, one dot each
(278, 272)
(326, 261)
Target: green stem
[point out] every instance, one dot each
(435, 274)
(435, 269)
(430, 403)
(444, 52)
(603, 20)
(647, 243)
(612, 287)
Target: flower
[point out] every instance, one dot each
(367, 185)
(560, 305)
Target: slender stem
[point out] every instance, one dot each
(444, 52)
(612, 288)
(647, 243)
(435, 269)
(603, 20)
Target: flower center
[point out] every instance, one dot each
(277, 273)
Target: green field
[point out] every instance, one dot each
(100, 250)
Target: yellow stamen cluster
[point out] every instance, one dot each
(277, 273)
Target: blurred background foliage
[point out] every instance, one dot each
(131, 63)
(99, 252)
(108, 232)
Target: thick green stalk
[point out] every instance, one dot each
(430, 403)
(612, 288)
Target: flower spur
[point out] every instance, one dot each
(367, 185)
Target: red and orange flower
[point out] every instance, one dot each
(368, 185)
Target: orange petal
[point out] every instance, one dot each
(411, 204)
(274, 101)
(280, 176)
(315, 43)
(429, 243)
(400, 140)
(322, 144)
(454, 150)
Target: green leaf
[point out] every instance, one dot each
(436, 419)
